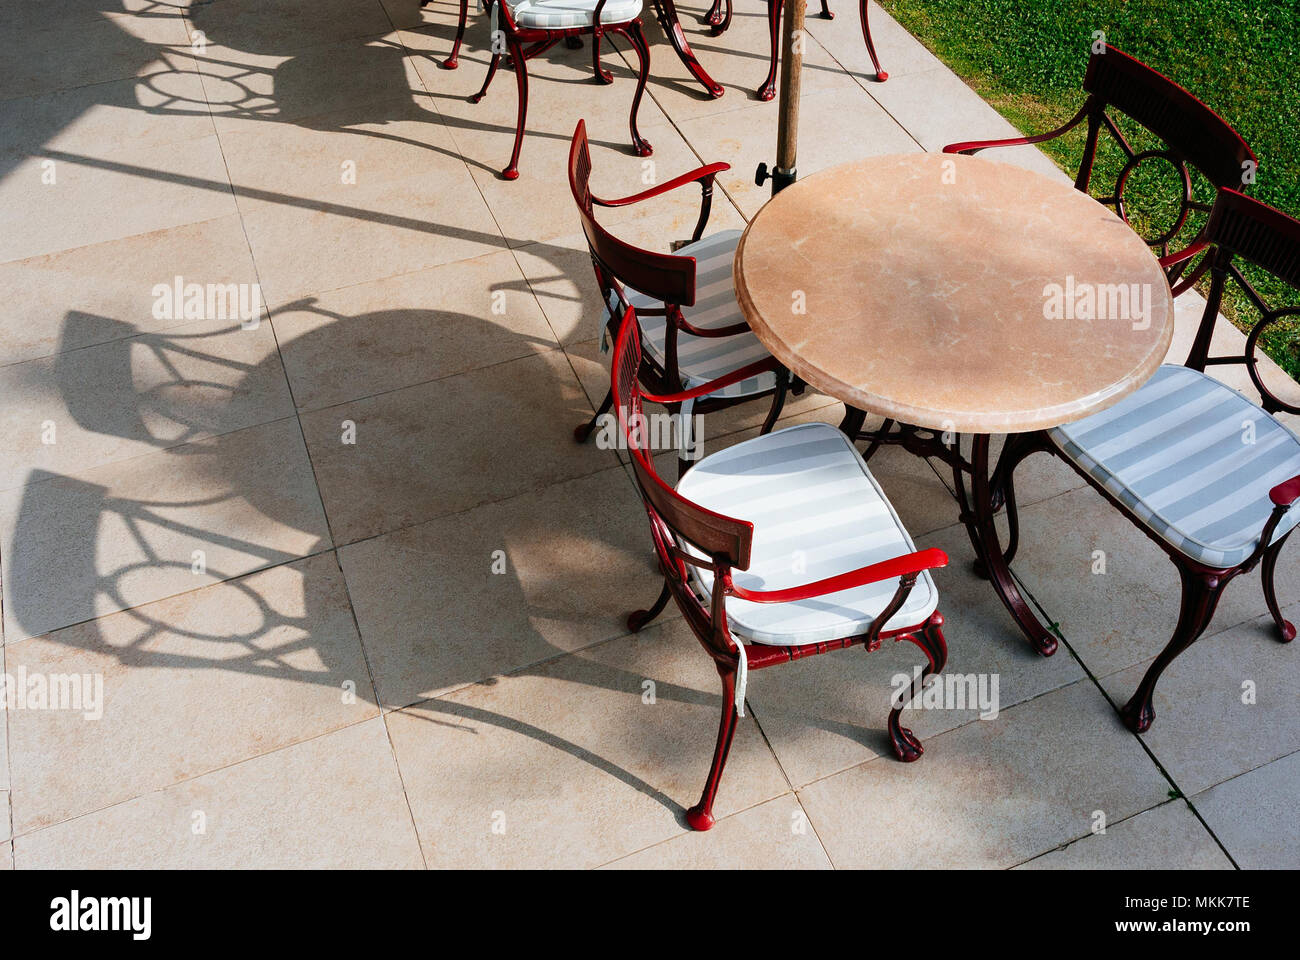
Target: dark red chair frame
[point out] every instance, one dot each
(1193, 135)
(539, 41)
(719, 18)
(669, 278)
(1238, 226)
(725, 543)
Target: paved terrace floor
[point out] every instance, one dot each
(307, 658)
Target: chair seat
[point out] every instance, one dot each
(561, 14)
(817, 512)
(701, 359)
(1177, 452)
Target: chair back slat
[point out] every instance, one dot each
(1241, 227)
(724, 539)
(1191, 130)
(665, 277)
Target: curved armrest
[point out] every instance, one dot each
(1181, 257)
(704, 389)
(1285, 493)
(907, 565)
(970, 147)
(714, 333)
(703, 173)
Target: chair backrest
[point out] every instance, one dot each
(1194, 136)
(1241, 227)
(725, 540)
(665, 277)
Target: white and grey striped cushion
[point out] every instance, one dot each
(559, 14)
(701, 359)
(1178, 453)
(817, 512)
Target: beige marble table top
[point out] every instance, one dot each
(953, 293)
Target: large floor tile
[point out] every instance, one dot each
(286, 26)
(280, 87)
(1168, 837)
(900, 53)
(989, 794)
(393, 333)
(413, 204)
(82, 409)
(330, 803)
(1204, 733)
(48, 54)
(157, 109)
(190, 684)
(104, 291)
(1126, 614)
(937, 109)
(449, 445)
(771, 836)
(491, 590)
(827, 713)
(1247, 814)
(836, 128)
(572, 762)
(111, 194)
(77, 547)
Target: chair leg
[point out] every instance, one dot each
(636, 37)
(602, 76)
(1285, 629)
(881, 76)
(778, 402)
(826, 12)
(700, 816)
(768, 90)
(907, 747)
(511, 172)
(487, 81)
(719, 17)
(582, 432)
(453, 61)
(1201, 593)
(639, 618)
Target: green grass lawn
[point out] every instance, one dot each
(1027, 58)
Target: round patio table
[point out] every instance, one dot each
(954, 295)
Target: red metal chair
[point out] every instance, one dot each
(543, 23)
(692, 326)
(719, 18)
(1194, 136)
(820, 563)
(1207, 474)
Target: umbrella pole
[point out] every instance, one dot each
(787, 131)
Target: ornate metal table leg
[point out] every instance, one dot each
(666, 12)
(977, 513)
(851, 425)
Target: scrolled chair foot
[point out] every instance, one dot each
(510, 173)
(638, 619)
(699, 819)
(1286, 631)
(1138, 714)
(907, 747)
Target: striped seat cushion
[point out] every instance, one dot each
(817, 512)
(701, 359)
(1193, 459)
(559, 14)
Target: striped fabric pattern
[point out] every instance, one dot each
(1180, 454)
(559, 14)
(817, 512)
(701, 359)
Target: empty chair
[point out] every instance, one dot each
(1208, 474)
(780, 547)
(1194, 136)
(692, 329)
(543, 23)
